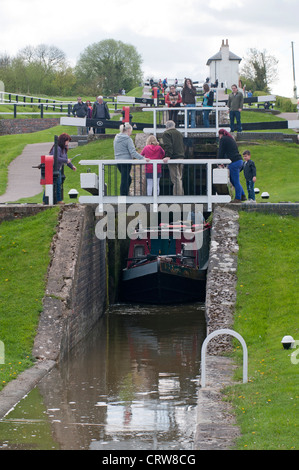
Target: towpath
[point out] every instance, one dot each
(23, 180)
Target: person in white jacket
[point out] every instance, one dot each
(124, 149)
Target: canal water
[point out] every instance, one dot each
(131, 385)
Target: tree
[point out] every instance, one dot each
(260, 70)
(50, 58)
(64, 82)
(36, 67)
(107, 66)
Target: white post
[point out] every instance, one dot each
(204, 347)
(186, 122)
(101, 187)
(2, 353)
(155, 186)
(209, 186)
(155, 122)
(49, 194)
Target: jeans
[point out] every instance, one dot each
(192, 113)
(205, 117)
(250, 189)
(125, 178)
(234, 175)
(232, 116)
(173, 116)
(150, 185)
(58, 187)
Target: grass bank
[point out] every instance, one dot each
(24, 259)
(277, 166)
(267, 408)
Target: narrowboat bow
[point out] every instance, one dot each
(167, 264)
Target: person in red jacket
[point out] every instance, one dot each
(153, 151)
(173, 100)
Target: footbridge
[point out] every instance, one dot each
(204, 183)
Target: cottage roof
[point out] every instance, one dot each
(218, 56)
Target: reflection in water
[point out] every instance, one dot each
(131, 385)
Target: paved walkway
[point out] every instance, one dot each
(23, 180)
(289, 116)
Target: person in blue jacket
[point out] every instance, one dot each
(249, 169)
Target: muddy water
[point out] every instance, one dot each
(132, 384)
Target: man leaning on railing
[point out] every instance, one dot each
(173, 144)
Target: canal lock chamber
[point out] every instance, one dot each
(130, 382)
(127, 377)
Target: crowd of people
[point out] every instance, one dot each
(173, 143)
(99, 110)
(173, 149)
(174, 99)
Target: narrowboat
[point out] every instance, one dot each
(167, 264)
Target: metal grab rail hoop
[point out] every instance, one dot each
(204, 348)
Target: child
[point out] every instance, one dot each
(153, 151)
(250, 174)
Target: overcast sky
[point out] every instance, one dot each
(174, 37)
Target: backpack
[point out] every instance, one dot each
(210, 98)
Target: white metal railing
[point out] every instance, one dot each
(101, 198)
(19, 100)
(61, 108)
(217, 107)
(42, 107)
(186, 110)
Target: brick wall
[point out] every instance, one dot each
(25, 126)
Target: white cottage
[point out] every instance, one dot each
(224, 67)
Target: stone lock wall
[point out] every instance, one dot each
(222, 277)
(76, 289)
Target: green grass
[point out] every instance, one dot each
(24, 259)
(267, 408)
(277, 166)
(136, 92)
